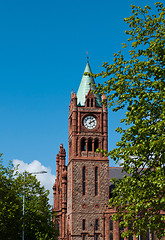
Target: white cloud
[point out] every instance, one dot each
(46, 179)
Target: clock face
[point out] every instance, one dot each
(90, 122)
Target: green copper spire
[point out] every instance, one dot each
(85, 87)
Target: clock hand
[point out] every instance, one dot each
(92, 121)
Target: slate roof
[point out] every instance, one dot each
(85, 87)
(116, 172)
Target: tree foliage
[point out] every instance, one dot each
(38, 215)
(136, 82)
(10, 205)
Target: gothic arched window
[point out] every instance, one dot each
(88, 102)
(83, 145)
(96, 144)
(111, 228)
(96, 182)
(110, 224)
(97, 224)
(84, 180)
(90, 145)
(111, 236)
(91, 102)
(83, 224)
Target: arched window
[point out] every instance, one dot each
(111, 236)
(96, 144)
(76, 146)
(83, 145)
(111, 228)
(96, 181)
(111, 187)
(97, 224)
(110, 224)
(90, 145)
(88, 102)
(91, 102)
(84, 180)
(83, 224)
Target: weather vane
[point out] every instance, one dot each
(87, 57)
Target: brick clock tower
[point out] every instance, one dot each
(87, 169)
(87, 175)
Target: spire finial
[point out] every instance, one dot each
(87, 57)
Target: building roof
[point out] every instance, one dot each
(85, 87)
(116, 172)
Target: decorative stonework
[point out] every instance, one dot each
(97, 206)
(84, 206)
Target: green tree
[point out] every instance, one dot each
(10, 205)
(38, 213)
(136, 83)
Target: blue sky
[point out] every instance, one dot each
(43, 47)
